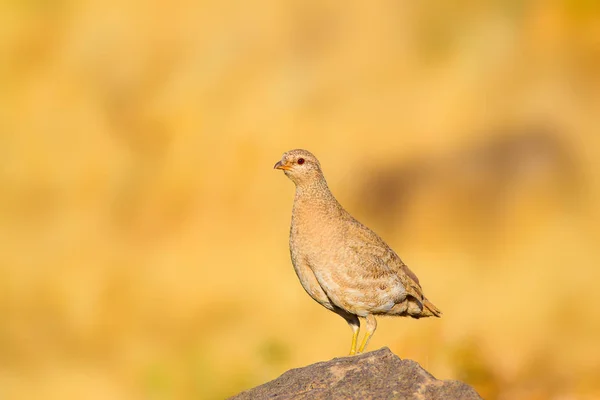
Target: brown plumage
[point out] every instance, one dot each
(342, 264)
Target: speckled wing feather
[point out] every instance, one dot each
(383, 260)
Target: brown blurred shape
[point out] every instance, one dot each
(476, 186)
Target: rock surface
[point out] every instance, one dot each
(376, 375)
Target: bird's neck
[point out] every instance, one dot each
(314, 197)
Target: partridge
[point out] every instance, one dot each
(342, 264)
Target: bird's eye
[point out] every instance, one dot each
(301, 161)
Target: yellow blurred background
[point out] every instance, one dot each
(144, 233)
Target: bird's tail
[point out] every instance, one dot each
(429, 310)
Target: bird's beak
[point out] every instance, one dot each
(279, 165)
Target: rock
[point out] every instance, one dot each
(376, 375)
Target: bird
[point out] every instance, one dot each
(342, 264)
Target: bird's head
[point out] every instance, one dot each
(301, 166)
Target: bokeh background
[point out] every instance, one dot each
(143, 230)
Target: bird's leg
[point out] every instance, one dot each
(354, 323)
(371, 326)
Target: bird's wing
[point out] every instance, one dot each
(381, 260)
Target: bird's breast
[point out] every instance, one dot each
(313, 236)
